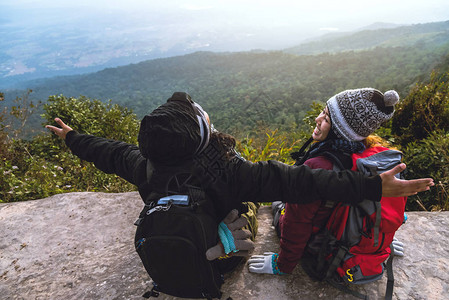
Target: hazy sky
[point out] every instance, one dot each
(91, 32)
(280, 11)
(291, 16)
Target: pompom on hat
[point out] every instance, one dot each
(356, 114)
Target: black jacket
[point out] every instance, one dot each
(229, 182)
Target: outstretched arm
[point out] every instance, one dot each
(61, 132)
(394, 187)
(270, 181)
(108, 155)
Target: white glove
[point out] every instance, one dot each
(264, 263)
(398, 247)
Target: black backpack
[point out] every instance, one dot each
(174, 230)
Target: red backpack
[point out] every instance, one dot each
(355, 244)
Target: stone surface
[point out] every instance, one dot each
(80, 246)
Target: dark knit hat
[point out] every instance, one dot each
(356, 114)
(175, 131)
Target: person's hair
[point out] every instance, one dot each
(225, 142)
(375, 141)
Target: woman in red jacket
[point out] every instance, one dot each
(344, 127)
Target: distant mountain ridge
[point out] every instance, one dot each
(335, 34)
(381, 25)
(73, 58)
(436, 33)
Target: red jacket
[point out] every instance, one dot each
(300, 221)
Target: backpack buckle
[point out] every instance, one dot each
(152, 293)
(350, 276)
(160, 208)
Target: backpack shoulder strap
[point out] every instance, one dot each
(337, 166)
(390, 276)
(336, 162)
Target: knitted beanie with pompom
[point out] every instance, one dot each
(356, 114)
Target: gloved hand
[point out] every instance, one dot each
(398, 247)
(265, 264)
(233, 236)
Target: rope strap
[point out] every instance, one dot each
(226, 238)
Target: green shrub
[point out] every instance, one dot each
(429, 158)
(421, 127)
(93, 117)
(423, 111)
(44, 166)
(274, 146)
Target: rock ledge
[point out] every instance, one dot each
(80, 246)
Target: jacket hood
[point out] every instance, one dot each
(172, 132)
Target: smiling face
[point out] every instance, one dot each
(323, 126)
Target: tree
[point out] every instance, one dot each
(421, 126)
(423, 111)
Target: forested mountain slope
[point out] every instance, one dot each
(242, 89)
